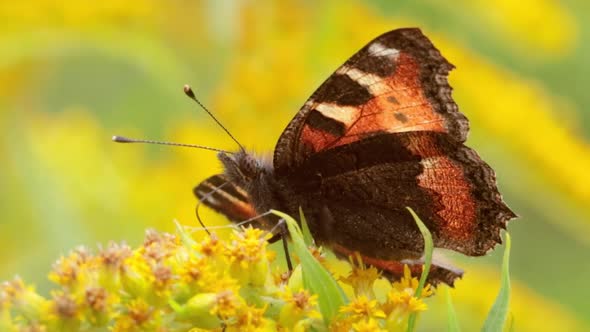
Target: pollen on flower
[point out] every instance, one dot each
(251, 318)
(162, 275)
(139, 311)
(402, 299)
(96, 298)
(114, 254)
(210, 246)
(361, 307)
(302, 300)
(405, 300)
(226, 304)
(298, 307)
(409, 284)
(248, 245)
(65, 271)
(158, 246)
(65, 306)
(361, 277)
(11, 290)
(367, 325)
(196, 269)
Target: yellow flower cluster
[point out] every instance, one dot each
(367, 312)
(174, 283)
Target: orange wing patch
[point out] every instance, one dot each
(399, 104)
(459, 215)
(397, 83)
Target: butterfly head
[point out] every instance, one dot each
(241, 167)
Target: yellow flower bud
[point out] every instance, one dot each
(197, 311)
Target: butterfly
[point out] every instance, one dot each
(382, 133)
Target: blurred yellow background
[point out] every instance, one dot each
(74, 73)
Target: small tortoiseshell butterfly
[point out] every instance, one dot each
(381, 134)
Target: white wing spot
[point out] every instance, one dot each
(378, 49)
(373, 83)
(343, 114)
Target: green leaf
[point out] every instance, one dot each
(498, 314)
(452, 322)
(307, 238)
(428, 248)
(315, 277)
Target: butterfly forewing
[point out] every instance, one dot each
(397, 83)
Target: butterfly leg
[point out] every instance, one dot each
(282, 234)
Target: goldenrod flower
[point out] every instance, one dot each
(361, 308)
(174, 283)
(408, 284)
(136, 276)
(251, 318)
(138, 315)
(367, 325)
(248, 257)
(226, 304)
(402, 301)
(298, 306)
(361, 278)
(210, 246)
(26, 305)
(66, 270)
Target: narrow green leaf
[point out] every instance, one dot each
(498, 314)
(452, 322)
(307, 238)
(428, 248)
(315, 277)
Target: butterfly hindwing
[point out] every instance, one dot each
(440, 270)
(232, 201)
(397, 83)
(367, 185)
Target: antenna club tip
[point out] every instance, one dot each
(188, 91)
(120, 139)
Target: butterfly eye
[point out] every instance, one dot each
(249, 167)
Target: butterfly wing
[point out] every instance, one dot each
(232, 201)
(366, 186)
(225, 197)
(397, 83)
(440, 270)
(383, 133)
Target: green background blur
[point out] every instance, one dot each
(74, 74)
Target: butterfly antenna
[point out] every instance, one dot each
(189, 92)
(122, 139)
